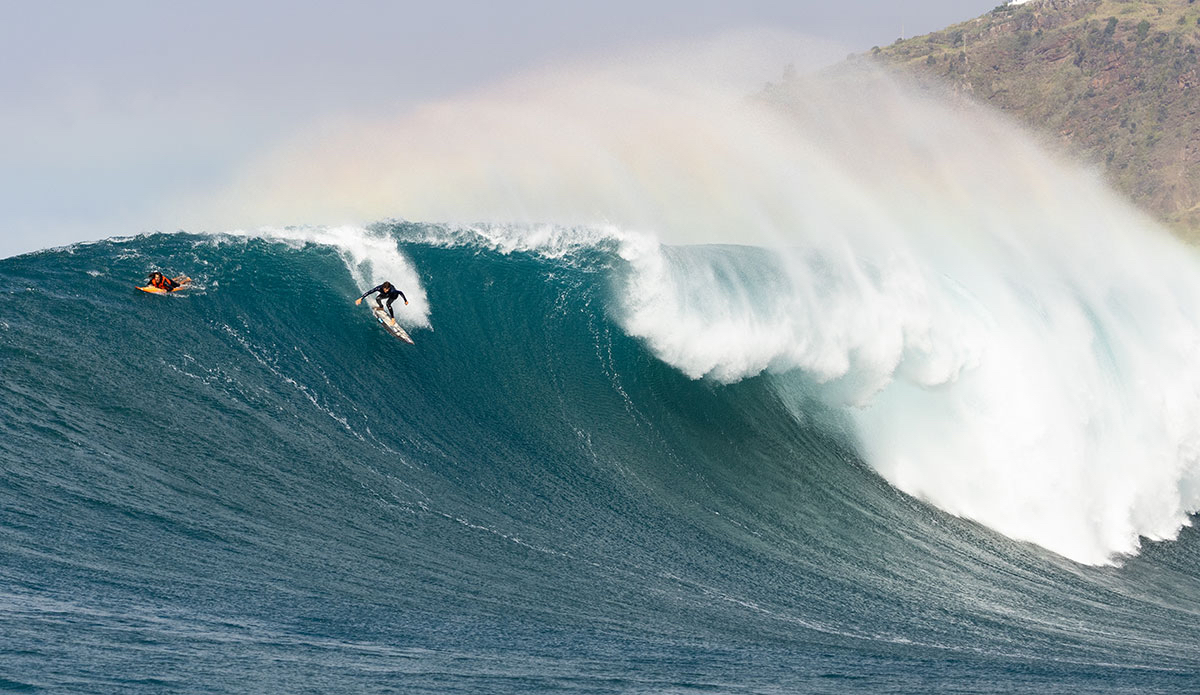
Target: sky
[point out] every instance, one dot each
(109, 109)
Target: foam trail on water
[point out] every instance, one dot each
(1013, 342)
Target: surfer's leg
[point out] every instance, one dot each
(390, 312)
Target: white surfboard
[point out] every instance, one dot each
(390, 325)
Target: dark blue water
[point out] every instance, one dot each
(249, 487)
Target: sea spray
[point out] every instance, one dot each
(1014, 342)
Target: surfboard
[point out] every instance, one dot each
(390, 325)
(153, 290)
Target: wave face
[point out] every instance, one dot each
(570, 483)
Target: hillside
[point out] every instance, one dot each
(1118, 81)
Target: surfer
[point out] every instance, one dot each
(386, 291)
(165, 283)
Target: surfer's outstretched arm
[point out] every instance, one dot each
(363, 296)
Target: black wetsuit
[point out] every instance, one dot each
(390, 296)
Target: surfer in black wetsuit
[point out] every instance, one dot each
(386, 291)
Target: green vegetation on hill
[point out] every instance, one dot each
(1118, 81)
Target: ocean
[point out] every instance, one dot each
(608, 465)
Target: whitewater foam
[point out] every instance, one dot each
(1058, 405)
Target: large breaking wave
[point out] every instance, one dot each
(1013, 342)
(924, 393)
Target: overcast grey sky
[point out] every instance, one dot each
(109, 108)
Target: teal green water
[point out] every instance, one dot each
(249, 487)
